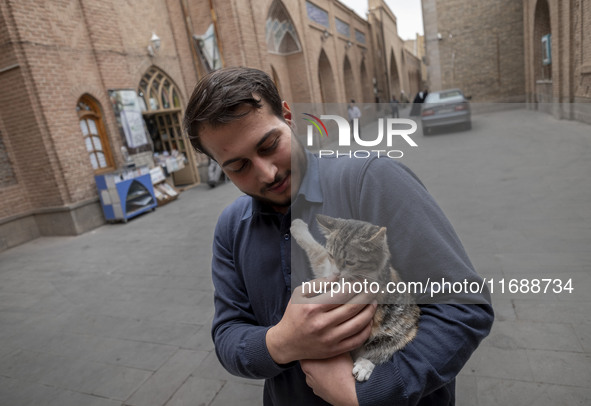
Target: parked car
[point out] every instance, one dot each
(445, 108)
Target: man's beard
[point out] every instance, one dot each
(274, 203)
(298, 162)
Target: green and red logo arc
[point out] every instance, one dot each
(315, 123)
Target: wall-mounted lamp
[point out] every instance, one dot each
(154, 44)
(439, 36)
(348, 45)
(325, 35)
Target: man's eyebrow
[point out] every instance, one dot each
(258, 145)
(266, 136)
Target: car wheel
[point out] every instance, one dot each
(468, 125)
(426, 131)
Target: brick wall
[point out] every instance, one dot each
(476, 46)
(566, 83)
(582, 50)
(493, 51)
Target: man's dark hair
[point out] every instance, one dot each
(218, 96)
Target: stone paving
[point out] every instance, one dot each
(121, 315)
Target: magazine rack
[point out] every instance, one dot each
(125, 195)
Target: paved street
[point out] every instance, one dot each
(121, 315)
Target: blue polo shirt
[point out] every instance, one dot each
(252, 275)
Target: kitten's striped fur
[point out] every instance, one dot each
(357, 250)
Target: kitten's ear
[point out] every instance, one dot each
(378, 237)
(326, 224)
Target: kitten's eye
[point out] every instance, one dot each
(349, 262)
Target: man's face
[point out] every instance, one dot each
(255, 153)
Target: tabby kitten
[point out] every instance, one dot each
(357, 250)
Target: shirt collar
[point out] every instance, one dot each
(310, 188)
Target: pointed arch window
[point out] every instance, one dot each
(281, 35)
(94, 135)
(161, 105)
(156, 92)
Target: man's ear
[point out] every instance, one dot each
(286, 113)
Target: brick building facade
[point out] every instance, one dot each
(476, 46)
(558, 57)
(533, 51)
(417, 48)
(399, 69)
(64, 64)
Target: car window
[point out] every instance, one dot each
(436, 97)
(447, 95)
(432, 98)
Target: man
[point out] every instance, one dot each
(394, 107)
(266, 328)
(354, 113)
(214, 172)
(419, 99)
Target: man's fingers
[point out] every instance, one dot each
(356, 340)
(356, 321)
(363, 298)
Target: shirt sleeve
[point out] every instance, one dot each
(423, 245)
(239, 340)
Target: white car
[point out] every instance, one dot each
(445, 108)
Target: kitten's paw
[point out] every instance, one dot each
(299, 229)
(362, 369)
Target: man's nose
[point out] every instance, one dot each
(266, 170)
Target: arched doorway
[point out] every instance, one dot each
(394, 77)
(285, 53)
(161, 107)
(94, 134)
(542, 43)
(326, 79)
(414, 81)
(349, 80)
(366, 87)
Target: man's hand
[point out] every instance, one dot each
(321, 326)
(332, 379)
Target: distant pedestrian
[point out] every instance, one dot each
(416, 104)
(214, 173)
(403, 99)
(354, 113)
(394, 107)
